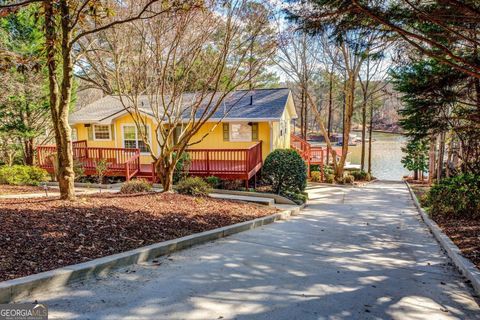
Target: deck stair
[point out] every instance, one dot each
(312, 155)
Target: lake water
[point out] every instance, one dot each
(386, 155)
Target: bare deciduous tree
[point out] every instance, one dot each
(298, 57)
(184, 66)
(65, 23)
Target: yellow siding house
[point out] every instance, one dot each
(258, 118)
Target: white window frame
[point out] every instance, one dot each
(230, 131)
(74, 135)
(136, 135)
(95, 131)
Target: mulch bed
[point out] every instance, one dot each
(420, 190)
(465, 233)
(7, 190)
(42, 234)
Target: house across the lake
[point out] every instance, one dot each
(238, 137)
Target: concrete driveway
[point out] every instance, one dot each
(354, 253)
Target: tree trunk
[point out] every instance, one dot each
(364, 128)
(415, 174)
(449, 157)
(365, 88)
(60, 101)
(441, 152)
(305, 121)
(324, 131)
(302, 110)
(431, 159)
(330, 103)
(165, 169)
(347, 123)
(370, 137)
(28, 152)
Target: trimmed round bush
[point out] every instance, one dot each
(136, 186)
(285, 170)
(193, 186)
(22, 175)
(456, 196)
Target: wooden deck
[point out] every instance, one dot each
(312, 155)
(241, 164)
(120, 161)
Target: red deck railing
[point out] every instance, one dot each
(311, 155)
(226, 163)
(120, 161)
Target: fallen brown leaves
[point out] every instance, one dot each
(6, 189)
(42, 234)
(465, 233)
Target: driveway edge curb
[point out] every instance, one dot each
(465, 266)
(24, 287)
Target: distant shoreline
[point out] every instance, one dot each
(380, 131)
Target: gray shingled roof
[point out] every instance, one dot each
(267, 104)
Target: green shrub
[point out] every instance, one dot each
(424, 200)
(233, 184)
(214, 182)
(78, 169)
(136, 186)
(359, 175)
(348, 178)
(194, 186)
(315, 176)
(297, 197)
(329, 178)
(22, 175)
(457, 196)
(286, 171)
(181, 168)
(328, 169)
(101, 169)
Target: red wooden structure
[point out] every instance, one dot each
(120, 161)
(312, 155)
(241, 164)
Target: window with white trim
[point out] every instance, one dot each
(74, 134)
(133, 139)
(240, 132)
(101, 132)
